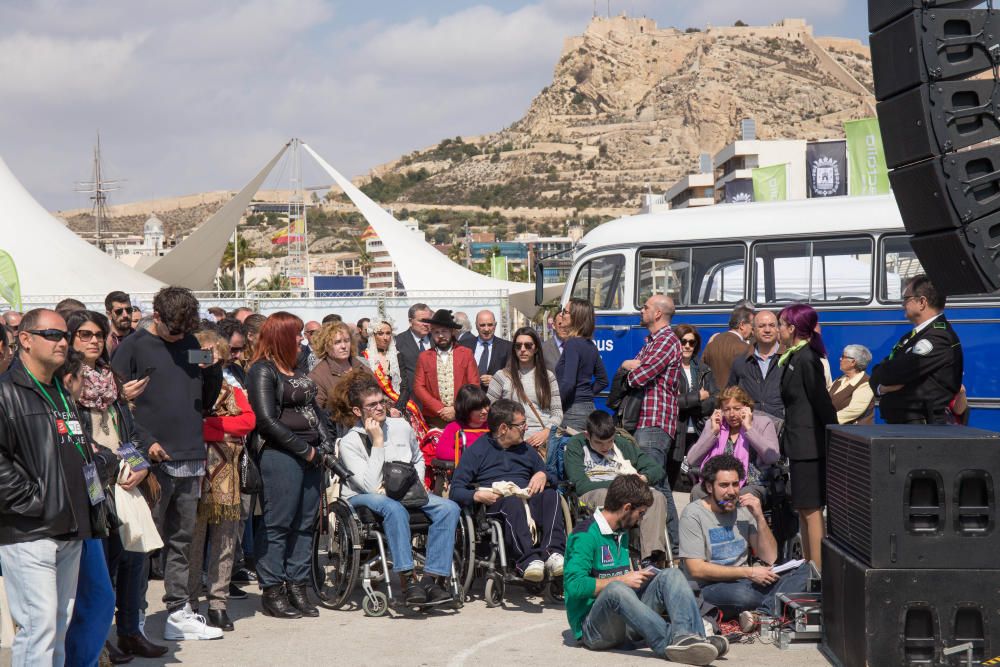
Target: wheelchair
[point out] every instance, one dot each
(349, 545)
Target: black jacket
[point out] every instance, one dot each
(929, 365)
(764, 390)
(499, 354)
(34, 501)
(264, 393)
(408, 353)
(808, 409)
(689, 400)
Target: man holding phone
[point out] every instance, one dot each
(168, 416)
(716, 533)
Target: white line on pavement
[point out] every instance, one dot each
(465, 654)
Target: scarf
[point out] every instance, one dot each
(99, 388)
(507, 489)
(220, 500)
(603, 472)
(783, 361)
(740, 449)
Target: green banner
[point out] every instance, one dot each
(770, 183)
(867, 173)
(498, 267)
(10, 286)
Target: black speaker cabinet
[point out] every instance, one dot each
(902, 618)
(909, 496)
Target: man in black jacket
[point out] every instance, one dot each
(757, 372)
(491, 351)
(923, 373)
(168, 418)
(50, 477)
(409, 345)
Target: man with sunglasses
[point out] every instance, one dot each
(51, 479)
(923, 372)
(168, 421)
(499, 459)
(119, 309)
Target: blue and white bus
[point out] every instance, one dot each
(846, 256)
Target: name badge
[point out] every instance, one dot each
(94, 489)
(74, 427)
(135, 460)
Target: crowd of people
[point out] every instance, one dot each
(190, 445)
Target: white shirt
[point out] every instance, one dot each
(481, 347)
(418, 340)
(926, 323)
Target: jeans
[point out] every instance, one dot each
(41, 579)
(290, 505)
(128, 574)
(94, 609)
(175, 515)
(732, 597)
(655, 442)
(546, 511)
(575, 416)
(618, 609)
(444, 515)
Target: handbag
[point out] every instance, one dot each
(137, 531)
(403, 484)
(250, 479)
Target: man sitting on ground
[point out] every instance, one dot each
(597, 457)
(716, 532)
(501, 463)
(608, 603)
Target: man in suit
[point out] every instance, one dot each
(442, 371)
(490, 351)
(410, 343)
(723, 349)
(552, 348)
(923, 373)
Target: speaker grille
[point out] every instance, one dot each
(849, 494)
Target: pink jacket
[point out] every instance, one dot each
(762, 438)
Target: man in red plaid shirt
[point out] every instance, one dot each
(657, 369)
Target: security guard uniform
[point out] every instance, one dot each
(928, 364)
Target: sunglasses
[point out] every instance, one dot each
(87, 336)
(235, 350)
(687, 342)
(311, 332)
(524, 346)
(51, 335)
(126, 309)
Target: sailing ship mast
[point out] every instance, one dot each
(98, 188)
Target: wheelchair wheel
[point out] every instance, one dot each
(567, 514)
(554, 591)
(494, 590)
(375, 605)
(335, 558)
(793, 547)
(465, 551)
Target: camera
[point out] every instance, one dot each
(330, 462)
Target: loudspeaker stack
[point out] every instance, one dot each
(911, 564)
(928, 59)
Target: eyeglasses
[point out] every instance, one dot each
(125, 309)
(520, 426)
(310, 332)
(907, 297)
(524, 346)
(688, 342)
(51, 335)
(373, 407)
(87, 336)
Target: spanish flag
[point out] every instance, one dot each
(295, 231)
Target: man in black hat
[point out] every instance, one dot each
(443, 370)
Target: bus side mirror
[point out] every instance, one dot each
(539, 284)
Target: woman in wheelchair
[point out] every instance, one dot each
(471, 409)
(375, 440)
(735, 429)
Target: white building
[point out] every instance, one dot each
(688, 192)
(129, 249)
(383, 274)
(740, 158)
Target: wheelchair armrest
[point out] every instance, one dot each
(565, 487)
(441, 464)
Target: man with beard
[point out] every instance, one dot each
(757, 372)
(442, 370)
(119, 310)
(608, 603)
(716, 533)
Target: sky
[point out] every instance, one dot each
(192, 96)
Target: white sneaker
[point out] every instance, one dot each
(554, 565)
(535, 571)
(185, 624)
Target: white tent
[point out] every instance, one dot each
(53, 262)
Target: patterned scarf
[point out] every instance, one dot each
(99, 388)
(740, 449)
(220, 500)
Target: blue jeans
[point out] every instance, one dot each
(290, 505)
(443, 514)
(94, 609)
(732, 597)
(655, 442)
(619, 610)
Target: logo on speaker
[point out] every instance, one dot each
(742, 198)
(825, 176)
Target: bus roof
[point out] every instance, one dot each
(750, 221)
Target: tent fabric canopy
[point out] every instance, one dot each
(51, 260)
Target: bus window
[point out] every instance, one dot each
(664, 271)
(835, 271)
(899, 264)
(719, 272)
(601, 282)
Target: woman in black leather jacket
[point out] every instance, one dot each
(290, 442)
(696, 393)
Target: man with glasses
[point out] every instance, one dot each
(411, 343)
(757, 373)
(506, 474)
(923, 372)
(50, 477)
(307, 358)
(168, 423)
(491, 351)
(377, 439)
(119, 310)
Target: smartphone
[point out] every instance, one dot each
(201, 357)
(146, 373)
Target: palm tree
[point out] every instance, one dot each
(225, 283)
(247, 258)
(277, 285)
(364, 257)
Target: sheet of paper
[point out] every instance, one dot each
(786, 567)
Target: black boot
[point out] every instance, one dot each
(298, 598)
(275, 603)
(218, 618)
(413, 593)
(436, 593)
(116, 655)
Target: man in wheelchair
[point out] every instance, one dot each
(508, 476)
(609, 604)
(598, 456)
(717, 533)
(377, 439)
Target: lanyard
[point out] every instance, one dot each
(55, 409)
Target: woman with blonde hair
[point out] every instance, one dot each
(580, 371)
(337, 351)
